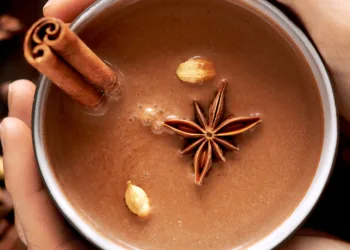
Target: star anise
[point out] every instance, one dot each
(208, 137)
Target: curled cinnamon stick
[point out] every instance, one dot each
(57, 52)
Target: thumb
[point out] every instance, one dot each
(67, 10)
(328, 24)
(314, 243)
(286, 2)
(293, 4)
(321, 18)
(43, 226)
(302, 8)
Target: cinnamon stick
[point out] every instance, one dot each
(57, 52)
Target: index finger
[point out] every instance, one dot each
(66, 10)
(20, 100)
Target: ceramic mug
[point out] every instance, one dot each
(314, 191)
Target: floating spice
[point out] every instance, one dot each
(57, 52)
(210, 136)
(196, 70)
(137, 200)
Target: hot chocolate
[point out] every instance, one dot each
(242, 200)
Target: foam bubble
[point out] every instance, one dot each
(148, 116)
(157, 127)
(100, 110)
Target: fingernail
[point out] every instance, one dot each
(2, 172)
(1, 131)
(49, 2)
(2, 139)
(9, 96)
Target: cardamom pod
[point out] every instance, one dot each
(137, 200)
(196, 70)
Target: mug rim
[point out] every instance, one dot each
(313, 193)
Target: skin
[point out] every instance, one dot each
(328, 23)
(36, 216)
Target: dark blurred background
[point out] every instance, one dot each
(331, 213)
(12, 64)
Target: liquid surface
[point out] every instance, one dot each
(242, 200)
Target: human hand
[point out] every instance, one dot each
(328, 23)
(38, 222)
